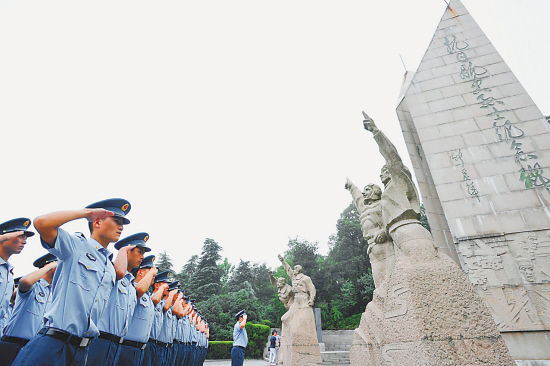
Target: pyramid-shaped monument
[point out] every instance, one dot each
(480, 149)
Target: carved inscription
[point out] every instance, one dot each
(392, 353)
(395, 306)
(531, 174)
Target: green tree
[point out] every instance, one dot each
(187, 273)
(241, 274)
(227, 270)
(207, 278)
(164, 263)
(424, 218)
(347, 259)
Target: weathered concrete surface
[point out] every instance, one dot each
(480, 149)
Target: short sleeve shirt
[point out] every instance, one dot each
(186, 329)
(240, 338)
(167, 331)
(6, 290)
(28, 313)
(142, 321)
(120, 307)
(83, 281)
(157, 321)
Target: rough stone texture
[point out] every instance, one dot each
(299, 344)
(480, 150)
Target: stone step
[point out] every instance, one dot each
(335, 357)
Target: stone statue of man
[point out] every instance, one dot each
(304, 291)
(286, 295)
(399, 203)
(380, 250)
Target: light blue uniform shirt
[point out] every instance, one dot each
(142, 321)
(202, 339)
(120, 307)
(194, 334)
(82, 283)
(6, 290)
(179, 335)
(167, 331)
(186, 331)
(28, 313)
(240, 338)
(157, 321)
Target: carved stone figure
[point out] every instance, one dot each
(380, 250)
(286, 295)
(299, 345)
(429, 313)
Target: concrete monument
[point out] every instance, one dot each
(429, 313)
(480, 149)
(299, 345)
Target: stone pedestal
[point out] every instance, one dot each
(299, 344)
(428, 314)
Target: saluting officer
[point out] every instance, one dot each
(83, 281)
(156, 350)
(135, 342)
(13, 238)
(240, 339)
(177, 310)
(186, 334)
(28, 312)
(113, 325)
(182, 348)
(167, 332)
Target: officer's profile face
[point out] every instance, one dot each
(135, 257)
(108, 229)
(14, 245)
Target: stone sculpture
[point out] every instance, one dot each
(380, 250)
(428, 313)
(286, 295)
(299, 345)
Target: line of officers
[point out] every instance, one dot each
(82, 307)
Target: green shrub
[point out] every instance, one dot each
(257, 339)
(267, 322)
(219, 350)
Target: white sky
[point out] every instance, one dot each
(232, 120)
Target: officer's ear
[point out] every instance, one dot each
(94, 225)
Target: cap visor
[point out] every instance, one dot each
(28, 233)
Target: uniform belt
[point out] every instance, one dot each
(111, 337)
(134, 344)
(154, 341)
(187, 343)
(16, 340)
(177, 342)
(240, 347)
(65, 337)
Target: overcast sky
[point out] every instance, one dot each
(232, 120)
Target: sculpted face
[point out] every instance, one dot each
(281, 282)
(298, 268)
(371, 193)
(385, 176)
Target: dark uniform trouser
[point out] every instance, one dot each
(148, 354)
(158, 355)
(103, 353)
(186, 355)
(8, 352)
(181, 355)
(167, 355)
(237, 356)
(173, 354)
(130, 356)
(44, 350)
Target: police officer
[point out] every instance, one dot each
(240, 339)
(177, 310)
(12, 241)
(194, 336)
(28, 312)
(113, 324)
(83, 281)
(135, 342)
(156, 350)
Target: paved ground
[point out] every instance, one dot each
(228, 363)
(246, 363)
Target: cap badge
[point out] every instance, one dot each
(90, 257)
(153, 259)
(146, 238)
(26, 223)
(124, 207)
